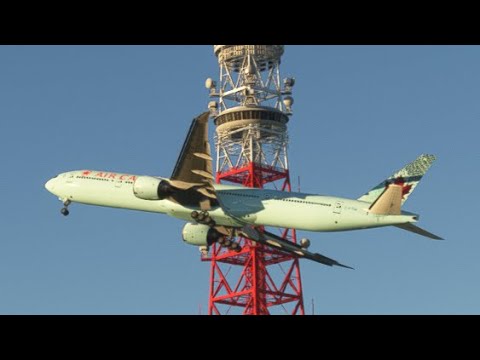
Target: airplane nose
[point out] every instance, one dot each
(49, 185)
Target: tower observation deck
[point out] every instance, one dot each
(251, 107)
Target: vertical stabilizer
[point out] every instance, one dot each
(407, 179)
(389, 203)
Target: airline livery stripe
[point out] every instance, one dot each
(407, 180)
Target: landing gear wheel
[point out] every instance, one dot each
(235, 247)
(65, 211)
(227, 243)
(204, 250)
(207, 220)
(202, 217)
(212, 223)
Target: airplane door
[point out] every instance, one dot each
(337, 208)
(337, 211)
(118, 183)
(70, 177)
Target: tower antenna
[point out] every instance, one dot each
(251, 110)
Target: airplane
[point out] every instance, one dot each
(219, 212)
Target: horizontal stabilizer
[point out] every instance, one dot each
(415, 229)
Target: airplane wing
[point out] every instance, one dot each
(272, 240)
(193, 170)
(281, 244)
(194, 164)
(193, 175)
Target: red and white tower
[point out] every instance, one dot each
(251, 112)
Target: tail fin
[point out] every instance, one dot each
(389, 202)
(406, 178)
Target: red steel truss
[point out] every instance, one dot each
(258, 280)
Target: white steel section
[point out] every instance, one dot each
(255, 143)
(253, 107)
(249, 75)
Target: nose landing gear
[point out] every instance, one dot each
(64, 210)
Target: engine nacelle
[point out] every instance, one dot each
(200, 235)
(152, 188)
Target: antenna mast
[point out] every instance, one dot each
(251, 112)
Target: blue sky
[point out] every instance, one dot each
(360, 113)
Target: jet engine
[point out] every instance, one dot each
(200, 235)
(152, 188)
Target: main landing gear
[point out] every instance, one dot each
(64, 210)
(231, 245)
(203, 218)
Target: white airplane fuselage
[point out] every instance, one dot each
(259, 207)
